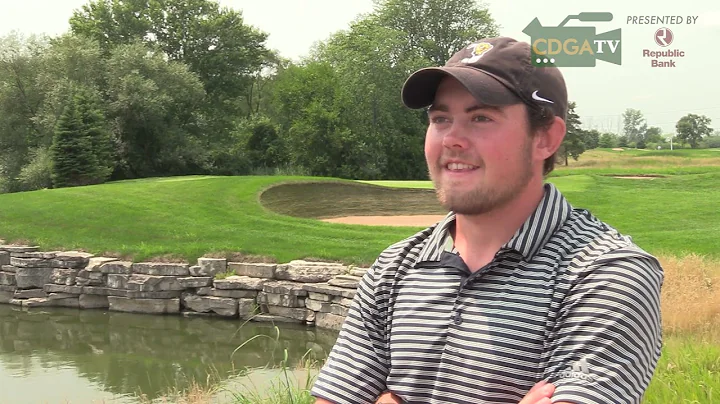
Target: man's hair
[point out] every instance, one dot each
(539, 119)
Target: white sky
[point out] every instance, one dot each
(602, 93)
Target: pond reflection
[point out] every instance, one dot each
(131, 354)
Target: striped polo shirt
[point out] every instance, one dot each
(567, 299)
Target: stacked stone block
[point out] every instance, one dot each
(302, 292)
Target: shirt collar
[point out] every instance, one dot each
(550, 214)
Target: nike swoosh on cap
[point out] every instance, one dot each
(539, 98)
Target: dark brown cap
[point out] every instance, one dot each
(497, 71)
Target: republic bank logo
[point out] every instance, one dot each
(574, 46)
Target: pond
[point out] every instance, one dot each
(56, 355)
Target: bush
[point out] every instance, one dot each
(37, 174)
(711, 142)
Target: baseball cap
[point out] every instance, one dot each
(496, 71)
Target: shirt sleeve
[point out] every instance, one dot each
(607, 339)
(357, 367)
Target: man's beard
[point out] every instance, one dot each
(482, 198)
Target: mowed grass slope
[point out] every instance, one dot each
(181, 218)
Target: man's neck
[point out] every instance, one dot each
(479, 237)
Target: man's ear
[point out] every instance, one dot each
(549, 139)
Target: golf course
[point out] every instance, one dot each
(668, 201)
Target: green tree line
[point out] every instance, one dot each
(143, 88)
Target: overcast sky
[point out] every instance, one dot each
(602, 92)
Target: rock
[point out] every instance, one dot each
(330, 290)
(30, 262)
(88, 278)
(95, 263)
(268, 318)
(205, 304)
(37, 302)
(63, 276)
(308, 271)
(345, 281)
(161, 269)
(8, 288)
(342, 301)
(285, 288)
(6, 297)
(29, 293)
(152, 283)
(57, 296)
(211, 266)
(168, 294)
(359, 271)
(33, 278)
(239, 282)
(206, 291)
(234, 293)
(52, 288)
(117, 281)
(9, 268)
(282, 300)
(246, 308)
(253, 270)
(314, 305)
(338, 310)
(300, 314)
(42, 255)
(319, 296)
(196, 282)
(117, 267)
(19, 249)
(4, 258)
(7, 278)
(194, 270)
(63, 300)
(93, 302)
(329, 321)
(147, 306)
(103, 291)
(71, 259)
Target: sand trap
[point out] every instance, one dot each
(408, 220)
(638, 177)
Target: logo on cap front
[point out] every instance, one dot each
(478, 49)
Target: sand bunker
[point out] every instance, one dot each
(638, 177)
(402, 220)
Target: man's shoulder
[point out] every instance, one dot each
(601, 244)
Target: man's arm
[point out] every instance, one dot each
(357, 367)
(607, 339)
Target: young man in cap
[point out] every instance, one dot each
(516, 296)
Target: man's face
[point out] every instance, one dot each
(478, 157)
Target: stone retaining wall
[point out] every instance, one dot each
(305, 292)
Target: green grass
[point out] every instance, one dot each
(688, 372)
(184, 218)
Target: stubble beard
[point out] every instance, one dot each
(483, 197)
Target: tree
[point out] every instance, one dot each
(634, 125)
(436, 29)
(591, 138)
(75, 162)
(654, 134)
(692, 128)
(214, 42)
(607, 141)
(572, 145)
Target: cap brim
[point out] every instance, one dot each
(420, 88)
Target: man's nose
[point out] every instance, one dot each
(455, 137)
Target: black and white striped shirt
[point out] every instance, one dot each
(568, 300)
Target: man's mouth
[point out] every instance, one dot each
(460, 167)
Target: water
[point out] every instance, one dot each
(56, 355)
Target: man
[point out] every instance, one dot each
(516, 296)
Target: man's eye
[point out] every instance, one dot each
(481, 118)
(438, 119)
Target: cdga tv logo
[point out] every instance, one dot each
(574, 46)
